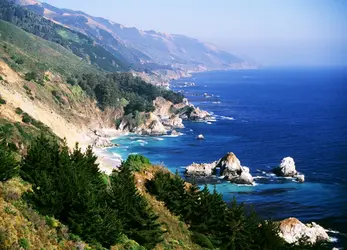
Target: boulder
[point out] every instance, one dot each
(300, 178)
(203, 169)
(174, 132)
(200, 137)
(292, 231)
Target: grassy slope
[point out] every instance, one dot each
(37, 53)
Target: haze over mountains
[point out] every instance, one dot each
(143, 50)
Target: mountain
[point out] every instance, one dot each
(80, 44)
(143, 49)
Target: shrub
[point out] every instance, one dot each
(2, 101)
(1, 78)
(202, 240)
(27, 118)
(136, 163)
(23, 242)
(31, 76)
(19, 111)
(8, 163)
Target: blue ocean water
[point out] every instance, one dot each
(263, 116)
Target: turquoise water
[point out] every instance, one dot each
(263, 116)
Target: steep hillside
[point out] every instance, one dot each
(146, 48)
(80, 44)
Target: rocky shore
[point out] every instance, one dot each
(165, 119)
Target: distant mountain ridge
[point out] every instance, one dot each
(148, 50)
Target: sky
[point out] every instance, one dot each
(272, 32)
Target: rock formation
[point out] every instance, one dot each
(151, 126)
(287, 169)
(230, 169)
(292, 230)
(174, 121)
(204, 169)
(199, 115)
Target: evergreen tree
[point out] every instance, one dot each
(8, 162)
(139, 221)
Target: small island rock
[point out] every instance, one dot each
(200, 137)
(292, 231)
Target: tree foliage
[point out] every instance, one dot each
(8, 162)
(214, 223)
(110, 90)
(138, 219)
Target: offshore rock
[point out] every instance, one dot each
(203, 169)
(292, 231)
(200, 137)
(199, 115)
(230, 169)
(287, 169)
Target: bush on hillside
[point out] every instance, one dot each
(136, 163)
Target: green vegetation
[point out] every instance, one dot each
(8, 162)
(111, 90)
(2, 101)
(214, 223)
(37, 54)
(78, 43)
(136, 163)
(68, 186)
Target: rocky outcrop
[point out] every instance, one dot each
(230, 169)
(199, 115)
(163, 108)
(204, 169)
(151, 126)
(292, 231)
(173, 122)
(287, 169)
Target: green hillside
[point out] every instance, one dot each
(25, 52)
(80, 44)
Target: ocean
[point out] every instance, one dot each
(263, 116)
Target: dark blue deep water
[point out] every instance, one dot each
(263, 116)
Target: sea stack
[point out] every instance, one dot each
(230, 169)
(287, 169)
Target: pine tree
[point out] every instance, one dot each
(8, 162)
(139, 221)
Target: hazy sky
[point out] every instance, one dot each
(273, 32)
